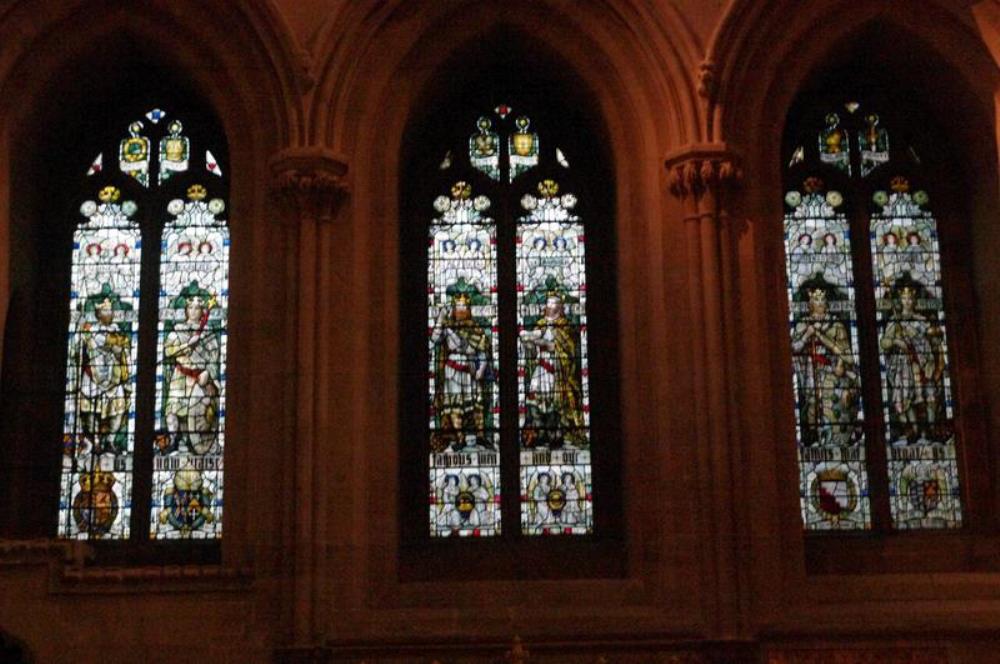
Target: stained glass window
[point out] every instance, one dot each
(463, 335)
(890, 355)
(535, 401)
(99, 421)
(913, 360)
(107, 384)
(553, 391)
(827, 382)
(191, 369)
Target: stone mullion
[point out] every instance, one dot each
(309, 185)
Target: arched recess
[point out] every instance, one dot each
(76, 53)
(503, 67)
(364, 104)
(934, 57)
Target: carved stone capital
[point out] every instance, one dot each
(699, 169)
(309, 183)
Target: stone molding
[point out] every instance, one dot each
(310, 182)
(71, 570)
(695, 170)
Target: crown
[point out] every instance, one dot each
(196, 192)
(188, 479)
(832, 475)
(817, 293)
(463, 298)
(97, 481)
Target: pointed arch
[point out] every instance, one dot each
(102, 54)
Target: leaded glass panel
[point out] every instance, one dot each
(175, 151)
(553, 378)
(133, 154)
(913, 354)
(99, 417)
(835, 144)
(187, 494)
(463, 391)
(833, 478)
(873, 143)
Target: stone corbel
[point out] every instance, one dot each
(309, 182)
(702, 175)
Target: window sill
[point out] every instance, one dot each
(78, 567)
(901, 552)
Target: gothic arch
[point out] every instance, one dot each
(240, 67)
(632, 57)
(750, 112)
(364, 99)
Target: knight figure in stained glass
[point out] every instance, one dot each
(915, 364)
(827, 380)
(104, 350)
(192, 361)
(554, 395)
(464, 373)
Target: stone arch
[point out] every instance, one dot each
(761, 59)
(794, 42)
(242, 68)
(367, 87)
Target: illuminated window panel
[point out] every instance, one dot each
(835, 144)
(484, 148)
(187, 489)
(827, 377)
(175, 151)
(99, 419)
(553, 380)
(873, 144)
(913, 360)
(522, 148)
(463, 387)
(133, 154)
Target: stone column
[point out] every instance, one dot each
(309, 186)
(702, 178)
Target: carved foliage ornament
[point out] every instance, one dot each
(309, 184)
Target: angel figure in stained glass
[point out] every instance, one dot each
(803, 257)
(574, 493)
(824, 370)
(482, 494)
(447, 496)
(192, 360)
(554, 397)
(834, 261)
(915, 364)
(104, 372)
(916, 260)
(463, 372)
(889, 257)
(540, 491)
